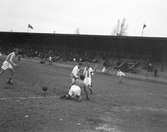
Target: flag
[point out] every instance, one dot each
(30, 26)
(144, 26)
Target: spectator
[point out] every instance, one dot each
(50, 60)
(155, 72)
(150, 67)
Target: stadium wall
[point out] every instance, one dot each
(119, 46)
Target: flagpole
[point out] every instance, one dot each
(142, 32)
(144, 26)
(27, 29)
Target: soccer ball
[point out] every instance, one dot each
(44, 88)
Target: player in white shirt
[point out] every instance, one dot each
(88, 73)
(50, 60)
(76, 89)
(9, 64)
(120, 74)
(75, 72)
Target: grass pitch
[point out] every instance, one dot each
(130, 106)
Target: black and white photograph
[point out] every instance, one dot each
(83, 66)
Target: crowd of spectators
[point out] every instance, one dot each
(106, 58)
(60, 53)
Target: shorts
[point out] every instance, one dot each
(88, 81)
(6, 65)
(74, 91)
(74, 78)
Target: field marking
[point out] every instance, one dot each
(25, 98)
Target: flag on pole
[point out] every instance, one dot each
(30, 26)
(144, 26)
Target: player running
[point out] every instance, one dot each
(75, 90)
(88, 73)
(9, 64)
(75, 72)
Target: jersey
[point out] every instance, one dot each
(50, 58)
(75, 71)
(8, 63)
(88, 72)
(10, 58)
(74, 91)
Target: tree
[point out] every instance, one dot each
(116, 28)
(77, 31)
(120, 28)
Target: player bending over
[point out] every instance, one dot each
(9, 64)
(75, 72)
(76, 89)
(88, 73)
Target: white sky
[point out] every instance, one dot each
(90, 16)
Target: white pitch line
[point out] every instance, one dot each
(25, 98)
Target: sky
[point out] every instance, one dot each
(97, 17)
